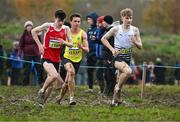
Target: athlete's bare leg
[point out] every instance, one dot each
(57, 85)
(69, 83)
(48, 92)
(123, 74)
(63, 91)
(52, 75)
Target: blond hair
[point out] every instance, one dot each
(126, 12)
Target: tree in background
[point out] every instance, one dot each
(164, 15)
(40, 9)
(6, 11)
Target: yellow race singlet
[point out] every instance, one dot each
(75, 53)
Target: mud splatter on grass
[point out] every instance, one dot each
(158, 103)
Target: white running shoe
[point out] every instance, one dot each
(72, 102)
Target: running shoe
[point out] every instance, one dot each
(40, 98)
(72, 102)
(58, 101)
(89, 91)
(114, 104)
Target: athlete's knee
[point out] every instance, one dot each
(65, 84)
(128, 72)
(50, 87)
(116, 88)
(54, 76)
(71, 72)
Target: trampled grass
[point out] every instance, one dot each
(17, 103)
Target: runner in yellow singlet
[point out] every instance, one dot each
(73, 56)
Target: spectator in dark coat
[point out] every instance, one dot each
(30, 52)
(99, 46)
(177, 74)
(159, 72)
(15, 65)
(91, 57)
(1, 63)
(109, 72)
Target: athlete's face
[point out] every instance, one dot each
(127, 20)
(76, 21)
(58, 22)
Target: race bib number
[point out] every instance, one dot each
(74, 48)
(74, 51)
(54, 44)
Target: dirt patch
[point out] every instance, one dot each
(15, 104)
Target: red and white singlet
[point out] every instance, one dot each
(53, 44)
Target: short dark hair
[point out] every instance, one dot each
(108, 19)
(60, 14)
(67, 24)
(75, 15)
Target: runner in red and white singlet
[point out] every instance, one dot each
(55, 36)
(53, 43)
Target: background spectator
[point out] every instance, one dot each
(30, 52)
(16, 66)
(91, 57)
(109, 72)
(1, 64)
(159, 72)
(99, 71)
(177, 74)
(81, 76)
(34, 72)
(133, 79)
(150, 73)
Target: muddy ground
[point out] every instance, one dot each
(15, 100)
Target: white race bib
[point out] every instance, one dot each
(54, 44)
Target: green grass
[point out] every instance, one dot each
(11, 29)
(165, 46)
(159, 103)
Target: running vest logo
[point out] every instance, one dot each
(51, 30)
(54, 44)
(78, 38)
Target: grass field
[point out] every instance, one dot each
(17, 103)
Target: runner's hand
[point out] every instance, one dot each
(133, 39)
(61, 41)
(41, 49)
(114, 52)
(80, 46)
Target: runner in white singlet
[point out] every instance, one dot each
(125, 37)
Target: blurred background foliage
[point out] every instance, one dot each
(158, 21)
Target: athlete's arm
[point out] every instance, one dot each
(69, 39)
(105, 38)
(35, 32)
(136, 39)
(85, 45)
